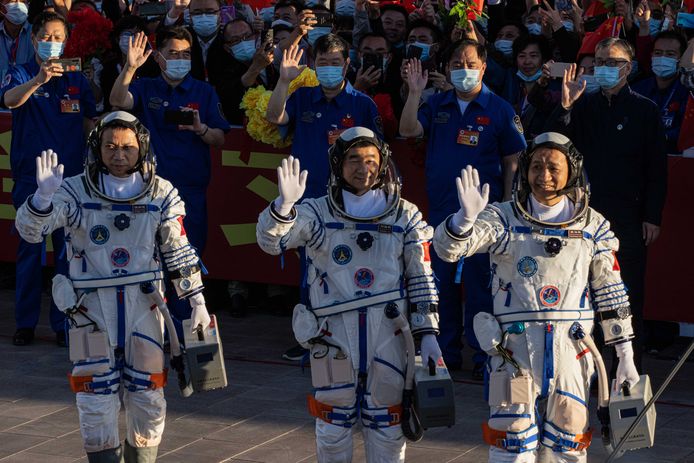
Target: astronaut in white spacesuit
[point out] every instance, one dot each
(553, 263)
(121, 223)
(367, 253)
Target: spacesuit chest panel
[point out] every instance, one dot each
(355, 263)
(528, 277)
(113, 243)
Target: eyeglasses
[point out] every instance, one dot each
(610, 63)
(201, 12)
(236, 40)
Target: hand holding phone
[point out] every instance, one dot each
(178, 117)
(557, 69)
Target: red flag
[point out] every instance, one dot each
(596, 8)
(610, 28)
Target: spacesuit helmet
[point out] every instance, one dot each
(94, 165)
(577, 188)
(387, 179)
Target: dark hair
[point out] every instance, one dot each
(234, 21)
(396, 8)
(522, 30)
(522, 42)
(435, 31)
(373, 35)
(455, 47)
(86, 2)
(284, 4)
(125, 23)
(45, 17)
(625, 46)
(330, 42)
(672, 35)
(174, 32)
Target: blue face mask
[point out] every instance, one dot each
(177, 69)
(47, 50)
(568, 25)
(344, 8)
(532, 78)
(316, 33)
(504, 46)
(534, 28)
(607, 77)
(663, 66)
(592, 85)
(244, 51)
(465, 80)
(267, 14)
(329, 76)
(17, 13)
(654, 25)
(205, 24)
(425, 49)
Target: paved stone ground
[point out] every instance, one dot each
(261, 416)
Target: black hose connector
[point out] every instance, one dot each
(411, 426)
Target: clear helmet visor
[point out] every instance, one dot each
(390, 183)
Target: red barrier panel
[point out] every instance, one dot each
(244, 182)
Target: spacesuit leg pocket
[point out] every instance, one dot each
(568, 413)
(386, 376)
(146, 354)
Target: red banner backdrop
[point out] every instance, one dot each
(244, 182)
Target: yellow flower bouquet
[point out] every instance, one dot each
(255, 102)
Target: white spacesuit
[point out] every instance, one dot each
(366, 251)
(118, 231)
(551, 266)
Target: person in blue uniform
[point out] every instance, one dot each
(50, 109)
(468, 125)
(16, 46)
(664, 87)
(318, 115)
(183, 151)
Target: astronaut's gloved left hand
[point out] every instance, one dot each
(626, 370)
(430, 349)
(199, 316)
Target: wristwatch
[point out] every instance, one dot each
(621, 313)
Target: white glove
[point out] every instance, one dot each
(430, 349)
(291, 183)
(472, 198)
(626, 370)
(199, 316)
(49, 177)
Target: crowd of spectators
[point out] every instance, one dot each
(479, 80)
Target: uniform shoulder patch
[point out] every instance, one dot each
(517, 123)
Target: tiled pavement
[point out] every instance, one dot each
(261, 416)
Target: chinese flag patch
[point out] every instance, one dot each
(183, 230)
(615, 265)
(425, 248)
